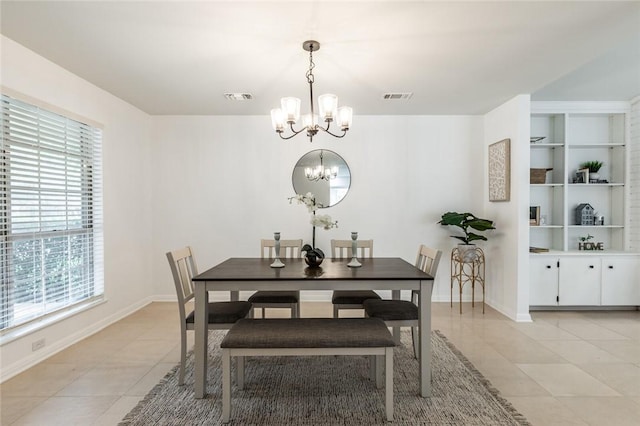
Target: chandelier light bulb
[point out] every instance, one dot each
(345, 117)
(328, 107)
(291, 109)
(277, 120)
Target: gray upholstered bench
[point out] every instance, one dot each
(307, 336)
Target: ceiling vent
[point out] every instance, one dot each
(391, 96)
(238, 96)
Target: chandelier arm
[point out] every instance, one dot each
(295, 133)
(344, 132)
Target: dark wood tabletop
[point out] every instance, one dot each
(257, 269)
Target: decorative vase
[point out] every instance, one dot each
(594, 176)
(313, 261)
(467, 253)
(277, 263)
(354, 251)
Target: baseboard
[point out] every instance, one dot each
(32, 359)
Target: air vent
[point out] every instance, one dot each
(238, 96)
(391, 96)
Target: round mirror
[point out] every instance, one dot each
(323, 173)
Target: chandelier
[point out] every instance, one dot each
(320, 173)
(289, 113)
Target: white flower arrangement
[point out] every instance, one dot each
(323, 220)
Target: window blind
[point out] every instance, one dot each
(50, 213)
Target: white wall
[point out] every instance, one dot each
(127, 197)
(222, 183)
(507, 254)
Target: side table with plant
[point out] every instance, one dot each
(467, 222)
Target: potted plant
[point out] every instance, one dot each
(467, 222)
(313, 255)
(594, 167)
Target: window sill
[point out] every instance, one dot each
(31, 327)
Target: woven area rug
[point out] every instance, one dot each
(330, 390)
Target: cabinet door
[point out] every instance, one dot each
(621, 281)
(543, 281)
(579, 281)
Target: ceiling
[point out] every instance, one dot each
(180, 57)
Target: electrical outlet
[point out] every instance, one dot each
(38, 344)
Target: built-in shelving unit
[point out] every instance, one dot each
(564, 276)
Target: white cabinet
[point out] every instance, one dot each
(580, 281)
(543, 281)
(620, 281)
(584, 280)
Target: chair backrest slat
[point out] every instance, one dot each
(289, 249)
(428, 259)
(341, 249)
(183, 269)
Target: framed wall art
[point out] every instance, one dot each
(500, 170)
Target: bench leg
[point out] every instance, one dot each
(388, 379)
(240, 372)
(379, 362)
(226, 385)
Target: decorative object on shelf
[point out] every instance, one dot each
(585, 244)
(538, 250)
(538, 176)
(464, 221)
(594, 168)
(499, 171)
(536, 139)
(354, 252)
(289, 113)
(313, 255)
(584, 214)
(534, 215)
(582, 176)
(319, 172)
(277, 263)
(467, 271)
(598, 219)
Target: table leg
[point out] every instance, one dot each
(425, 337)
(201, 337)
(395, 294)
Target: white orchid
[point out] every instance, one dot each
(308, 199)
(324, 220)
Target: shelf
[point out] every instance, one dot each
(596, 145)
(546, 145)
(548, 185)
(596, 226)
(548, 226)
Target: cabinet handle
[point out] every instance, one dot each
(590, 266)
(548, 266)
(610, 266)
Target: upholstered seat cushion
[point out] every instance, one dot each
(352, 297)
(274, 297)
(224, 312)
(391, 310)
(308, 333)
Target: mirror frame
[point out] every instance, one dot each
(342, 165)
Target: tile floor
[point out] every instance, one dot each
(565, 368)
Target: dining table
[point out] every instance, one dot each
(254, 274)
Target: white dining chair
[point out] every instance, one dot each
(350, 299)
(289, 249)
(403, 313)
(222, 315)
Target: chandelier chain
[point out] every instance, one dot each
(310, 76)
